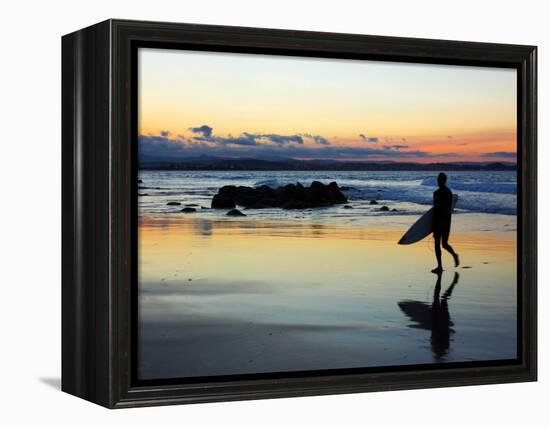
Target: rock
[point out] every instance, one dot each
(394, 210)
(204, 208)
(143, 194)
(191, 205)
(235, 213)
(373, 202)
(228, 191)
(188, 210)
(348, 207)
(173, 204)
(222, 201)
(140, 181)
(291, 196)
(384, 208)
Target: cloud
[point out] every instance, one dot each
(372, 139)
(446, 155)
(318, 139)
(205, 130)
(168, 146)
(321, 140)
(245, 139)
(511, 155)
(282, 139)
(160, 146)
(259, 146)
(242, 140)
(396, 147)
(368, 139)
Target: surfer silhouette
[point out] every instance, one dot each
(443, 208)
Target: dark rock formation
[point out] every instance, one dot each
(384, 208)
(222, 201)
(373, 202)
(191, 205)
(188, 210)
(291, 196)
(173, 204)
(348, 207)
(140, 181)
(235, 213)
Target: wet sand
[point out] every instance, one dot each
(239, 296)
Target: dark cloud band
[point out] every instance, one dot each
(511, 155)
(259, 145)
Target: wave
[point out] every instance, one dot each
(474, 201)
(272, 182)
(486, 187)
(230, 177)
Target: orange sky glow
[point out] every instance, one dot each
(236, 105)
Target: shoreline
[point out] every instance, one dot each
(393, 222)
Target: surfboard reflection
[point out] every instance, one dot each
(433, 317)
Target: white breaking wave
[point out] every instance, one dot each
(485, 187)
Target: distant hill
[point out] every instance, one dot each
(218, 164)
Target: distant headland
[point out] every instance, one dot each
(251, 164)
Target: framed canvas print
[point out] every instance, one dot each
(253, 213)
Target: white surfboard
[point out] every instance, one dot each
(422, 227)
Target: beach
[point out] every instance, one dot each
(223, 296)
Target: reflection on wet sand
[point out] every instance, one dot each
(206, 227)
(434, 317)
(236, 296)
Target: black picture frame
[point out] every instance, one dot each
(99, 258)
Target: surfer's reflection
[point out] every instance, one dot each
(434, 317)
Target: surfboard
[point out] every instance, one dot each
(422, 227)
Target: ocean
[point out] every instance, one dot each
(406, 192)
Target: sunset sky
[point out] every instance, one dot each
(239, 105)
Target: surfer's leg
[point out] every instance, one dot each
(437, 246)
(447, 246)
